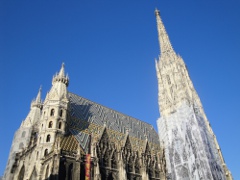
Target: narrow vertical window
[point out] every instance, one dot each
(61, 113)
(50, 124)
(52, 112)
(59, 125)
(46, 152)
(48, 138)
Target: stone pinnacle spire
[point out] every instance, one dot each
(38, 98)
(61, 72)
(37, 102)
(165, 44)
(61, 77)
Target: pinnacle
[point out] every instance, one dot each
(61, 72)
(157, 12)
(38, 98)
(37, 102)
(61, 77)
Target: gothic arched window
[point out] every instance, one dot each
(61, 113)
(52, 112)
(50, 124)
(59, 125)
(46, 152)
(48, 138)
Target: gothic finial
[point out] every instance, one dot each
(37, 102)
(157, 12)
(38, 98)
(61, 72)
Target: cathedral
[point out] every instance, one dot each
(68, 137)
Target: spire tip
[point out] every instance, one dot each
(157, 12)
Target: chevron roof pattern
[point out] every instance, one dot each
(85, 113)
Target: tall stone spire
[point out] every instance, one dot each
(191, 148)
(175, 86)
(165, 44)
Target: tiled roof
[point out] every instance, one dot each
(69, 143)
(85, 113)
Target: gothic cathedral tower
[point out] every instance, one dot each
(191, 148)
(54, 113)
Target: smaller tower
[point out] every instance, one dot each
(53, 120)
(35, 112)
(23, 134)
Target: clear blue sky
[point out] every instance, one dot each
(109, 47)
